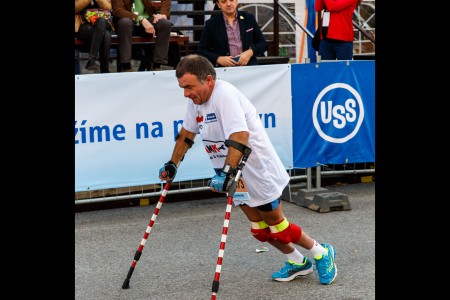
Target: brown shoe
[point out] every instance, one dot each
(92, 66)
(126, 67)
(156, 67)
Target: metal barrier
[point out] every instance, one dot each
(200, 185)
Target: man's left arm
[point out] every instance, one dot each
(234, 154)
(252, 38)
(259, 43)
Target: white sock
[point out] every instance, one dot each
(295, 257)
(317, 250)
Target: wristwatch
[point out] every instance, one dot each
(139, 19)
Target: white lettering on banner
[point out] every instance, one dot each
(336, 123)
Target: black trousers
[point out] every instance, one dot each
(99, 38)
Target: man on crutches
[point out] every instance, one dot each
(229, 125)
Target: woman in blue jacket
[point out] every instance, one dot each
(232, 37)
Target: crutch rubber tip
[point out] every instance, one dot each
(126, 284)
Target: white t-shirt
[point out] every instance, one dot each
(229, 111)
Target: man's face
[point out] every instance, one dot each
(198, 92)
(227, 6)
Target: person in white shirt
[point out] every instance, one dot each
(228, 124)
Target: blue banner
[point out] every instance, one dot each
(333, 113)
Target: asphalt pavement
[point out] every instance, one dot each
(180, 255)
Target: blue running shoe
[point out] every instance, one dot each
(291, 270)
(325, 266)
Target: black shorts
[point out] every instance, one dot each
(269, 206)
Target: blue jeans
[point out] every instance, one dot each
(99, 37)
(332, 49)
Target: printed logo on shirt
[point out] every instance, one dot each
(215, 149)
(211, 117)
(199, 119)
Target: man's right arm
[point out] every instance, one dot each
(206, 43)
(183, 143)
(165, 8)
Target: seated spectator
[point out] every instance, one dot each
(96, 32)
(138, 18)
(232, 37)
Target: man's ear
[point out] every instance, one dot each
(209, 79)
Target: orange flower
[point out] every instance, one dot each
(93, 19)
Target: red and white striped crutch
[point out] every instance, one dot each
(232, 188)
(137, 255)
